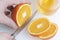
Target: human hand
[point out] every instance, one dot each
(5, 19)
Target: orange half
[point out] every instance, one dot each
(38, 26)
(50, 32)
(21, 14)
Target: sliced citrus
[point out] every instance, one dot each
(38, 26)
(21, 13)
(50, 32)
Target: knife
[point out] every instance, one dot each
(23, 26)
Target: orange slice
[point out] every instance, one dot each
(21, 14)
(50, 32)
(38, 26)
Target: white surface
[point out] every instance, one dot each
(24, 35)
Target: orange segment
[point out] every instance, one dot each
(21, 14)
(38, 26)
(50, 32)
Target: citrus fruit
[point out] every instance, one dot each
(45, 6)
(50, 32)
(21, 13)
(38, 26)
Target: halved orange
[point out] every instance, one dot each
(21, 14)
(38, 26)
(50, 32)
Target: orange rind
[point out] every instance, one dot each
(50, 32)
(38, 26)
(21, 13)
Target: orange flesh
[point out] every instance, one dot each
(27, 12)
(17, 14)
(44, 23)
(50, 32)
